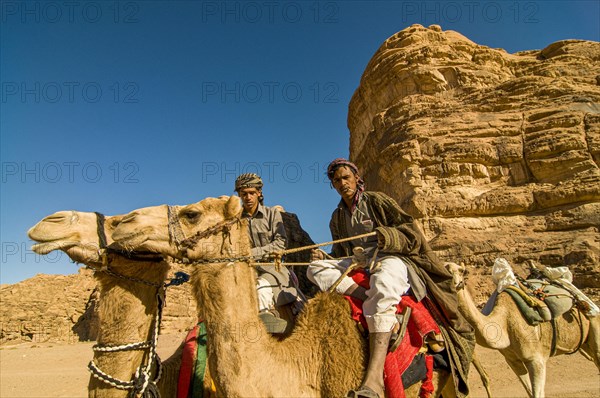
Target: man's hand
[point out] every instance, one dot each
(359, 256)
(317, 254)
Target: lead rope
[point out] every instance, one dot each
(317, 245)
(141, 385)
(277, 255)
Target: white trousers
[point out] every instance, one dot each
(387, 284)
(266, 300)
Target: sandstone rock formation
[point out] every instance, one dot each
(496, 154)
(48, 308)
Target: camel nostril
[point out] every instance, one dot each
(55, 218)
(128, 218)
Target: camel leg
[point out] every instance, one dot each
(521, 371)
(537, 376)
(448, 390)
(591, 347)
(378, 348)
(485, 379)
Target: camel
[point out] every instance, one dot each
(324, 355)
(126, 308)
(527, 348)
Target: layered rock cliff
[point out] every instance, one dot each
(495, 154)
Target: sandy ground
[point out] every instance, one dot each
(59, 370)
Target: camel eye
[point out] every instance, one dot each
(191, 215)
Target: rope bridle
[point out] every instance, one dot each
(141, 384)
(184, 244)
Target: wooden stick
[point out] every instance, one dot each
(299, 249)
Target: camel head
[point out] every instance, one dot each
(458, 273)
(193, 231)
(76, 233)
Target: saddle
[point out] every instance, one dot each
(545, 295)
(414, 359)
(538, 300)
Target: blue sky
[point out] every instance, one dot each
(114, 105)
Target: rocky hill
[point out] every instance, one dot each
(64, 308)
(496, 154)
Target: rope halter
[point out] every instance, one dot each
(142, 385)
(184, 244)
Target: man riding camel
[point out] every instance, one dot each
(267, 235)
(402, 260)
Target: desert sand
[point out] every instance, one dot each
(59, 370)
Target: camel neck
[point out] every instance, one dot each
(229, 302)
(489, 330)
(127, 311)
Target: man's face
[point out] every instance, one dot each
(249, 198)
(345, 183)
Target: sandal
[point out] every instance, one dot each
(272, 321)
(435, 342)
(362, 392)
(397, 336)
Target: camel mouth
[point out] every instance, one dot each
(138, 255)
(49, 246)
(128, 241)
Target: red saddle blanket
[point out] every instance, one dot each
(192, 371)
(188, 364)
(419, 325)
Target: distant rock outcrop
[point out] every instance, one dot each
(64, 308)
(48, 308)
(496, 154)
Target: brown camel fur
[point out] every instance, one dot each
(323, 356)
(526, 348)
(126, 308)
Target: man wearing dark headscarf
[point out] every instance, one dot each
(267, 235)
(399, 258)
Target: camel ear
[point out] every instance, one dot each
(233, 207)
